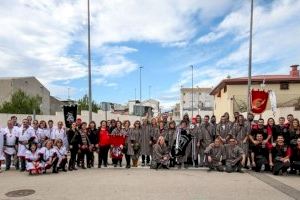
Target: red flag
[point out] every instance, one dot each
(259, 100)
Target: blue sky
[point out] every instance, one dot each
(47, 39)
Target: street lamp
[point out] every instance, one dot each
(89, 63)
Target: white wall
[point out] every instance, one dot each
(97, 117)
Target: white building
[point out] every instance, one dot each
(201, 102)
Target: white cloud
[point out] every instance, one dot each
(275, 31)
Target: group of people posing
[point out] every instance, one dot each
(38, 146)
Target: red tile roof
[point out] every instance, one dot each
(269, 79)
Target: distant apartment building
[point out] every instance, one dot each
(196, 100)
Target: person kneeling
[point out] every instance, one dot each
(215, 153)
(48, 157)
(161, 155)
(279, 156)
(235, 157)
(260, 154)
(33, 164)
(61, 153)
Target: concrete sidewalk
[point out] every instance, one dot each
(142, 183)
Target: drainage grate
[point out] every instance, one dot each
(20, 193)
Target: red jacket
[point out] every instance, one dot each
(103, 137)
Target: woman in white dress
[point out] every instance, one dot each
(61, 153)
(33, 164)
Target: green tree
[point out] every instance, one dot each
(83, 104)
(22, 103)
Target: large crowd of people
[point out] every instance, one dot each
(37, 146)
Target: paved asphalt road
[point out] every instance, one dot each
(143, 183)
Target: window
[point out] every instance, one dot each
(225, 88)
(284, 86)
(219, 94)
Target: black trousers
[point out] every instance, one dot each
(8, 161)
(74, 152)
(259, 162)
(90, 158)
(145, 157)
(278, 165)
(103, 155)
(23, 163)
(84, 154)
(128, 160)
(295, 165)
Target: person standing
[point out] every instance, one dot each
(294, 133)
(73, 140)
(26, 136)
(60, 133)
(103, 143)
(223, 130)
(117, 141)
(84, 144)
(128, 148)
(145, 143)
(135, 133)
(295, 159)
(240, 131)
(206, 138)
(170, 142)
(10, 143)
(93, 138)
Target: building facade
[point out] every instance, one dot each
(196, 101)
(30, 85)
(231, 94)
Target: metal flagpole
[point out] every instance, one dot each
(250, 61)
(89, 64)
(141, 91)
(192, 91)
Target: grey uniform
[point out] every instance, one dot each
(240, 133)
(217, 154)
(128, 141)
(223, 130)
(145, 140)
(159, 152)
(135, 135)
(233, 155)
(171, 138)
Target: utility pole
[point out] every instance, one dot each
(250, 61)
(89, 63)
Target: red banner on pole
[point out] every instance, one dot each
(259, 100)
